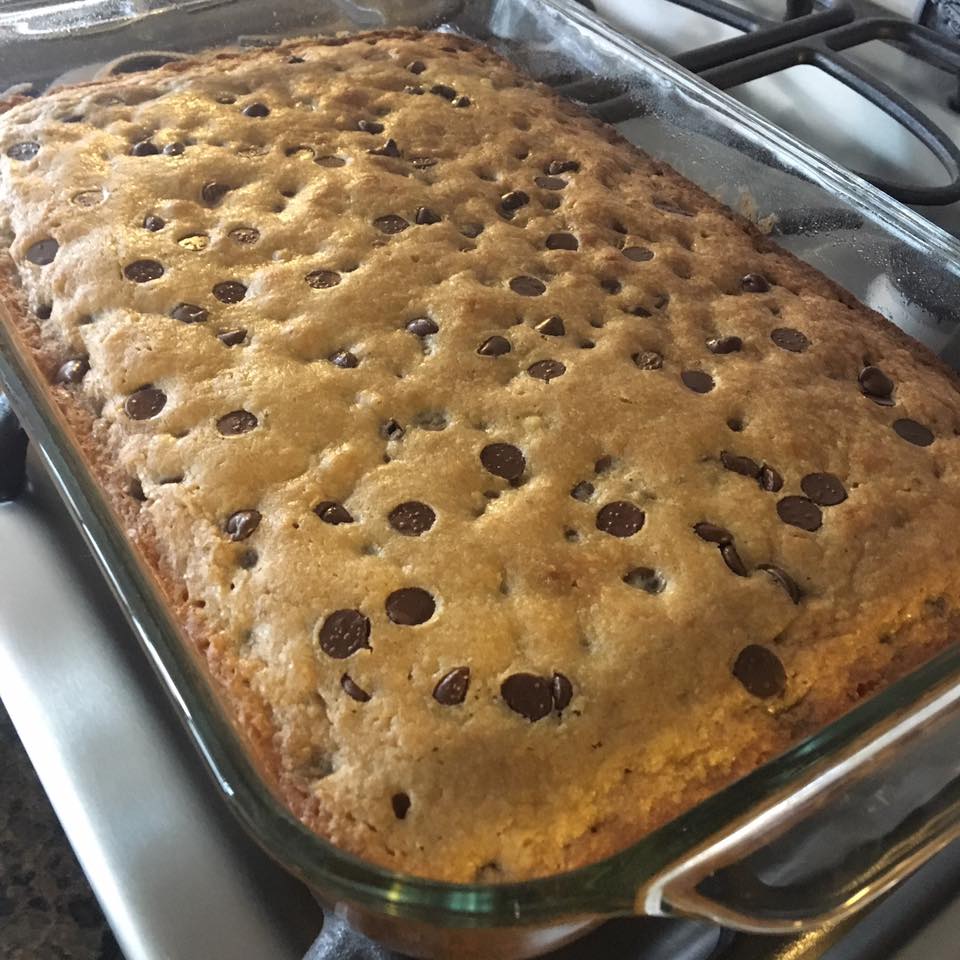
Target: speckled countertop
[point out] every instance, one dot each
(47, 911)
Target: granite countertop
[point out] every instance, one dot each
(47, 911)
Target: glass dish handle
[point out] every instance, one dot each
(824, 850)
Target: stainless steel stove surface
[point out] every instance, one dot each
(176, 877)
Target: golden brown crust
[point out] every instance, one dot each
(525, 578)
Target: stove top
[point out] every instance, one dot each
(71, 696)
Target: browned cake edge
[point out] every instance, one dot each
(917, 640)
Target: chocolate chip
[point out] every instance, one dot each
(391, 430)
(669, 207)
(784, 580)
(425, 216)
(353, 690)
(229, 291)
(235, 422)
(451, 689)
(527, 286)
(242, 524)
(754, 283)
(561, 166)
(760, 671)
(561, 689)
(529, 695)
(73, 371)
(611, 284)
(343, 633)
(503, 460)
(620, 518)
(514, 200)
(189, 313)
(461, 101)
(724, 344)
(344, 359)
(231, 338)
(145, 403)
(494, 346)
(244, 234)
(422, 327)
(472, 230)
(800, 512)
(330, 161)
(415, 89)
(645, 578)
(390, 224)
(546, 370)
(603, 465)
(637, 254)
(442, 90)
(789, 339)
(824, 489)
(639, 311)
(322, 279)
(213, 192)
(712, 533)
(295, 59)
(256, 110)
(410, 606)
(25, 150)
(388, 149)
(416, 66)
(423, 163)
(370, 126)
(411, 518)
(153, 223)
(145, 148)
(876, 385)
(551, 327)
(769, 479)
(550, 183)
(913, 432)
(582, 491)
(732, 559)
(401, 805)
(43, 252)
(143, 271)
(697, 380)
(43, 311)
(742, 465)
(329, 511)
(248, 559)
(174, 149)
(648, 360)
(562, 241)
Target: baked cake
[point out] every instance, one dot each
(517, 494)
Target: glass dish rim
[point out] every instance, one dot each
(605, 887)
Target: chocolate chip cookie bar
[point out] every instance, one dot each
(516, 494)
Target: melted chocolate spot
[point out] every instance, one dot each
(760, 671)
(442, 90)
(412, 518)
(824, 489)
(329, 511)
(876, 385)
(229, 291)
(343, 633)
(724, 344)
(527, 286)
(236, 422)
(742, 465)
(322, 279)
(145, 403)
(43, 252)
(401, 805)
(582, 491)
(637, 254)
(529, 695)
(645, 578)
(800, 512)
(503, 460)
(451, 689)
(562, 241)
(913, 432)
(550, 183)
(789, 339)
(353, 690)
(390, 224)
(697, 380)
(712, 533)
(410, 606)
(242, 524)
(546, 370)
(620, 518)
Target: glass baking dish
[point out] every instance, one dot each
(807, 838)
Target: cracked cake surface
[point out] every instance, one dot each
(517, 494)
